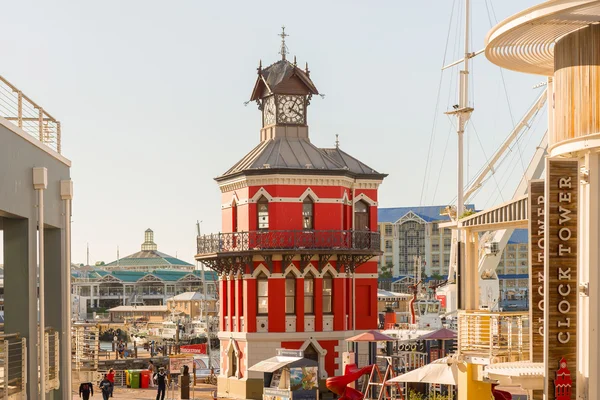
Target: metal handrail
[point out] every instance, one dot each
(498, 337)
(287, 240)
(20, 110)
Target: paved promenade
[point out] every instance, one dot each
(202, 391)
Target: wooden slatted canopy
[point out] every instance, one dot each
(525, 41)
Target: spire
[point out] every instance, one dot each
(337, 141)
(283, 50)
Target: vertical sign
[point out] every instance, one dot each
(536, 273)
(560, 276)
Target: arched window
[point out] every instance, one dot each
(327, 293)
(263, 213)
(361, 216)
(309, 294)
(262, 286)
(311, 353)
(308, 213)
(290, 294)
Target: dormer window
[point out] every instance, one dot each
(308, 213)
(263, 213)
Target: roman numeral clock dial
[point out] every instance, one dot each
(290, 109)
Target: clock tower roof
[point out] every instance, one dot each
(282, 77)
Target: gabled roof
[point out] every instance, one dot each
(287, 154)
(519, 236)
(427, 213)
(271, 78)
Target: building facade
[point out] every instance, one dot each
(194, 304)
(409, 232)
(300, 241)
(103, 289)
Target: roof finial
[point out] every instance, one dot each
(306, 69)
(337, 141)
(259, 66)
(294, 61)
(283, 50)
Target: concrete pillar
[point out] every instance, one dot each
(54, 278)
(20, 290)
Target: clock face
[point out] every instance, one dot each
(290, 109)
(269, 111)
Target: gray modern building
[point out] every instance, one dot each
(35, 209)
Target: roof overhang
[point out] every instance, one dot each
(305, 172)
(528, 375)
(525, 41)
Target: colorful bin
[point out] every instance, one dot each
(134, 378)
(145, 377)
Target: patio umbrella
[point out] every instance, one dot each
(440, 334)
(371, 336)
(437, 372)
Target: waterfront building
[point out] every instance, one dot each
(194, 304)
(558, 40)
(104, 289)
(139, 313)
(299, 243)
(35, 191)
(148, 259)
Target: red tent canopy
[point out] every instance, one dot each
(440, 334)
(371, 336)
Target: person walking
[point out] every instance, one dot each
(111, 378)
(105, 386)
(152, 369)
(161, 382)
(86, 390)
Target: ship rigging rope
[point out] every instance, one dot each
(512, 118)
(435, 114)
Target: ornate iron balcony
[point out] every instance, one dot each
(290, 240)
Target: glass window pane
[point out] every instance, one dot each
(327, 285)
(263, 288)
(290, 287)
(263, 305)
(308, 286)
(326, 304)
(289, 305)
(308, 305)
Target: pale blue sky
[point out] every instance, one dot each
(150, 95)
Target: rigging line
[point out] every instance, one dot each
(487, 159)
(437, 103)
(437, 183)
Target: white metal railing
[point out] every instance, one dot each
(85, 347)
(494, 337)
(52, 360)
(13, 366)
(19, 109)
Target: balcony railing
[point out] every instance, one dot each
(19, 109)
(287, 240)
(85, 347)
(494, 337)
(13, 364)
(52, 360)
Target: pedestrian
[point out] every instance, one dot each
(111, 378)
(152, 370)
(86, 390)
(161, 381)
(105, 387)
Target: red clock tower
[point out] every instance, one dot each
(297, 256)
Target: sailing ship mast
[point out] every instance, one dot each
(462, 111)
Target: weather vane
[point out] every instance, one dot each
(283, 50)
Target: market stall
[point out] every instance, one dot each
(288, 376)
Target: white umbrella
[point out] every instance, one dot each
(437, 372)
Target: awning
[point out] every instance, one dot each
(371, 336)
(274, 363)
(437, 372)
(528, 375)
